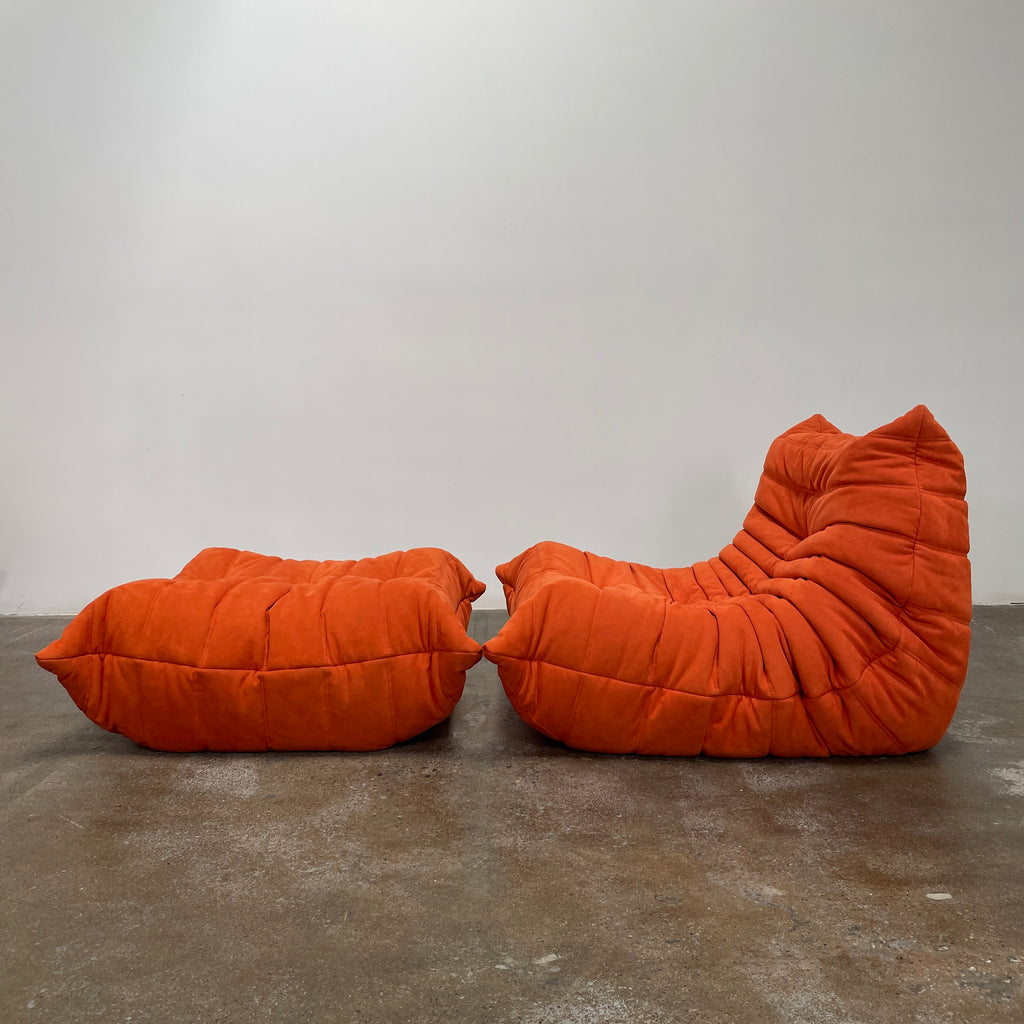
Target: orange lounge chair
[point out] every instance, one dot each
(837, 622)
(249, 652)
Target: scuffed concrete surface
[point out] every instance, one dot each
(482, 873)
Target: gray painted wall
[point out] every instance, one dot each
(330, 279)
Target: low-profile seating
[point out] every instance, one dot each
(837, 621)
(249, 652)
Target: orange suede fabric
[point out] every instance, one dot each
(249, 652)
(837, 622)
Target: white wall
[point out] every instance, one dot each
(327, 279)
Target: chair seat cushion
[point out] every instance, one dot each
(241, 651)
(837, 622)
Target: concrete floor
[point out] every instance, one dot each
(482, 873)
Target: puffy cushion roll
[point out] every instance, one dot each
(837, 622)
(241, 651)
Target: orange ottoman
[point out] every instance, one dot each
(249, 652)
(837, 622)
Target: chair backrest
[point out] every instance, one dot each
(885, 510)
(867, 539)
